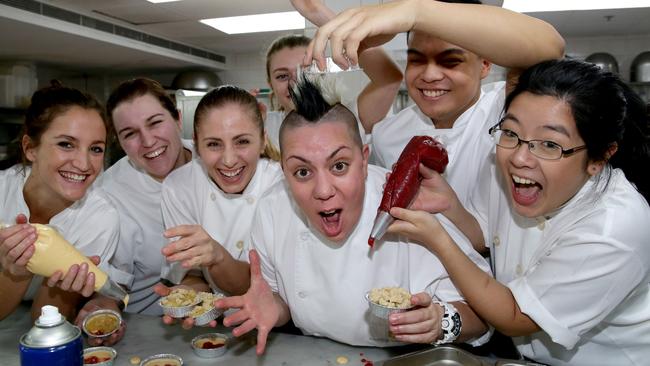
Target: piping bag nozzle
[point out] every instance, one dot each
(114, 291)
(382, 222)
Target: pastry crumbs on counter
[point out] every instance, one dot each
(341, 360)
(135, 360)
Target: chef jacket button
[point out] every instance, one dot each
(240, 245)
(548, 253)
(250, 199)
(213, 196)
(302, 295)
(304, 235)
(519, 270)
(496, 240)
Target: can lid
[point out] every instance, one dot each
(49, 316)
(50, 330)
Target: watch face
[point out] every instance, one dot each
(457, 324)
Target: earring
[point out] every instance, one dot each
(593, 170)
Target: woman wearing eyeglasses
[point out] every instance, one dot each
(568, 222)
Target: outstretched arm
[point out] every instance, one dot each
(197, 248)
(506, 38)
(260, 308)
(491, 300)
(436, 196)
(377, 97)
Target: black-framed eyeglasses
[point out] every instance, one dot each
(543, 149)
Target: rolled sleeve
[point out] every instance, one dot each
(531, 306)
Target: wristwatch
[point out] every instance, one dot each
(451, 323)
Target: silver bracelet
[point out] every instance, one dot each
(451, 323)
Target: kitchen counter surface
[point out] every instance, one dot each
(147, 335)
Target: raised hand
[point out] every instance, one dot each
(77, 279)
(17, 246)
(420, 227)
(313, 10)
(194, 248)
(259, 308)
(420, 325)
(435, 194)
(371, 25)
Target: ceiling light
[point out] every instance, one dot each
(257, 23)
(161, 1)
(529, 6)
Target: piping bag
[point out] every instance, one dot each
(404, 181)
(54, 253)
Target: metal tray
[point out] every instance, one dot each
(448, 356)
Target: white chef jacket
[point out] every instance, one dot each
(582, 274)
(324, 283)
(90, 224)
(467, 142)
(189, 196)
(272, 125)
(138, 258)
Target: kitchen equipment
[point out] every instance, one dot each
(449, 356)
(52, 341)
(53, 253)
(604, 60)
(640, 68)
(404, 182)
(196, 79)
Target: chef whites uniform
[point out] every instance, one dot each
(582, 274)
(90, 224)
(324, 283)
(468, 143)
(189, 197)
(138, 258)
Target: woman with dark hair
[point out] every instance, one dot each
(568, 221)
(63, 144)
(208, 204)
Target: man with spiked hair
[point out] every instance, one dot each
(311, 261)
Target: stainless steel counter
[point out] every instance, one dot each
(147, 335)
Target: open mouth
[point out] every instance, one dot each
(331, 220)
(525, 191)
(156, 153)
(73, 177)
(231, 175)
(433, 93)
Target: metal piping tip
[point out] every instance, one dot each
(382, 222)
(114, 291)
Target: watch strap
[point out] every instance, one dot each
(451, 323)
